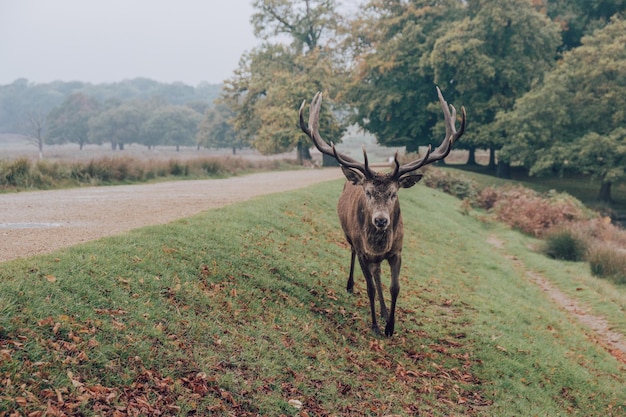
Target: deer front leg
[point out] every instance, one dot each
(379, 288)
(371, 292)
(350, 286)
(394, 262)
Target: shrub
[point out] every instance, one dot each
(566, 243)
(531, 212)
(178, 169)
(453, 184)
(15, 173)
(607, 261)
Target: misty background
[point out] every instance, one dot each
(189, 41)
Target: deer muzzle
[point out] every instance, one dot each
(380, 220)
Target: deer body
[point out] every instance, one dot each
(369, 210)
(371, 246)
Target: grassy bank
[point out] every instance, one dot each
(243, 310)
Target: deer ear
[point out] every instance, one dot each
(408, 181)
(355, 177)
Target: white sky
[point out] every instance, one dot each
(112, 40)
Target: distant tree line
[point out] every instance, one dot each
(140, 111)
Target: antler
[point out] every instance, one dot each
(444, 148)
(313, 132)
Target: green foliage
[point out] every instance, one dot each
(558, 125)
(272, 80)
(391, 85)
(21, 98)
(492, 57)
(451, 183)
(68, 122)
(580, 17)
(215, 130)
(119, 124)
(14, 173)
(564, 243)
(237, 312)
(171, 125)
(606, 262)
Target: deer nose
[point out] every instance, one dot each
(381, 222)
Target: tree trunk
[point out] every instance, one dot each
(412, 147)
(504, 170)
(234, 150)
(471, 159)
(492, 159)
(303, 153)
(605, 192)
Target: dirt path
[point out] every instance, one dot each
(600, 331)
(43, 221)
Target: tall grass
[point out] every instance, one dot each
(24, 174)
(234, 312)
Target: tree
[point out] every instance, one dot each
(119, 125)
(171, 125)
(553, 128)
(392, 85)
(490, 58)
(580, 17)
(36, 127)
(272, 80)
(214, 130)
(69, 121)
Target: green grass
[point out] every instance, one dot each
(241, 309)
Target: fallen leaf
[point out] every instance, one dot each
(51, 278)
(297, 404)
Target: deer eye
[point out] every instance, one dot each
(393, 196)
(368, 193)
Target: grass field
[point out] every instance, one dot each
(243, 311)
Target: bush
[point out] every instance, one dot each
(453, 184)
(530, 212)
(566, 243)
(15, 173)
(608, 262)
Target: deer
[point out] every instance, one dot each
(369, 209)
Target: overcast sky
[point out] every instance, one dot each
(112, 40)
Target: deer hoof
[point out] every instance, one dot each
(389, 329)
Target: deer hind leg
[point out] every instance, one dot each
(371, 291)
(350, 285)
(394, 262)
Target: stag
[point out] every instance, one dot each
(369, 210)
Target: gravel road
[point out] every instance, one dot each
(39, 222)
